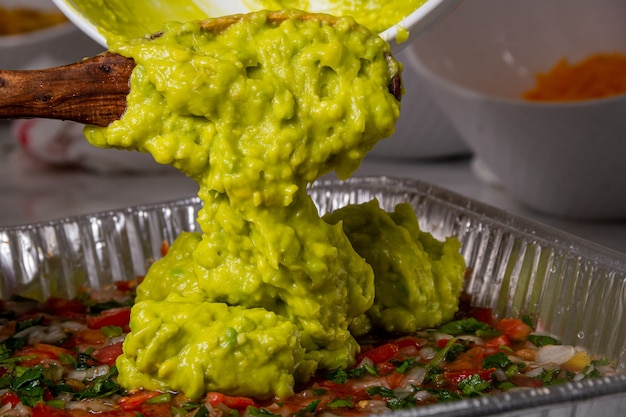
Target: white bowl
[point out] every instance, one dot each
(417, 22)
(566, 159)
(48, 47)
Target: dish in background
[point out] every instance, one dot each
(423, 131)
(90, 20)
(565, 159)
(50, 46)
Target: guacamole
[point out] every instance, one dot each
(268, 292)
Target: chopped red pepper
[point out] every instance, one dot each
(381, 353)
(108, 354)
(112, 317)
(236, 403)
(10, 397)
(516, 329)
(135, 400)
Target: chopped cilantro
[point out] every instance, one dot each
(101, 387)
(473, 385)
(445, 395)
(541, 340)
(403, 366)
(10, 345)
(401, 403)
(380, 390)
(27, 384)
(202, 411)
(258, 412)
(497, 360)
(112, 331)
(464, 326)
(25, 324)
(456, 348)
(340, 403)
(310, 408)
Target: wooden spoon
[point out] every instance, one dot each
(94, 90)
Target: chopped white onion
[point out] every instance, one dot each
(415, 376)
(557, 354)
(89, 374)
(428, 353)
(533, 373)
(422, 395)
(73, 326)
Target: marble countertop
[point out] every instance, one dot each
(31, 196)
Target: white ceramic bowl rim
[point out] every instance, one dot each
(416, 23)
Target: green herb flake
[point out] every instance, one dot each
(473, 385)
(497, 360)
(340, 403)
(465, 326)
(542, 340)
(379, 390)
(112, 331)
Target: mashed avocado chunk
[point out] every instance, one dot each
(418, 279)
(268, 292)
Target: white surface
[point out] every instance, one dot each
(566, 158)
(27, 198)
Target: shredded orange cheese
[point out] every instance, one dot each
(599, 75)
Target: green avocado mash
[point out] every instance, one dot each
(268, 292)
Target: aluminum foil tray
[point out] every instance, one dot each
(575, 288)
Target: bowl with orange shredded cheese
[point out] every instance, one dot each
(35, 34)
(537, 90)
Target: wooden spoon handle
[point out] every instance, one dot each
(92, 91)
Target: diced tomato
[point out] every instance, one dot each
(89, 337)
(386, 368)
(483, 314)
(150, 410)
(55, 350)
(381, 353)
(408, 342)
(516, 329)
(31, 356)
(441, 343)
(135, 400)
(126, 286)
(108, 354)
(112, 317)
(10, 397)
(62, 306)
(524, 381)
(394, 379)
(236, 403)
(471, 359)
(496, 342)
(165, 247)
(454, 377)
(43, 410)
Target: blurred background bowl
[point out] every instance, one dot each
(59, 44)
(566, 159)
